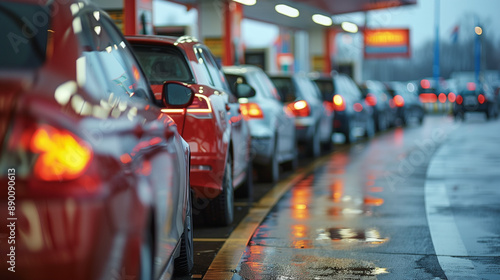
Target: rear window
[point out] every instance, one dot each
(163, 64)
(24, 30)
(285, 88)
(326, 88)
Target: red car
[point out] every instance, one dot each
(213, 125)
(94, 177)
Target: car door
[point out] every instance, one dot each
(285, 123)
(144, 137)
(240, 134)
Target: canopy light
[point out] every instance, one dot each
(349, 27)
(287, 10)
(246, 2)
(322, 20)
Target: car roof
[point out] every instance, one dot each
(160, 39)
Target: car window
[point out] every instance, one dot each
(326, 87)
(233, 80)
(211, 67)
(18, 50)
(255, 81)
(354, 90)
(268, 85)
(285, 87)
(103, 45)
(163, 64)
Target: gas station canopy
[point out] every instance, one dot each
(264, 10)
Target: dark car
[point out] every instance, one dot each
(213, 125)
(475, 98)
(98, 176)
(384, 108)
(408, 105)
(352, 113)
(313, 123)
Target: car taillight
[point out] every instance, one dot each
(358, 107)
(442, 97)
(459, 100)
(299, 108)
(428, 98)
(481, 99)
(452, 97)
(371, 100)
(338, 103)
(251, 111)
(399, 101)
(61, 155)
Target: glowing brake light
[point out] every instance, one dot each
(371, 99)
(442, 97)
(399, 101)
(459, 100)
(62, 155)
(428, 98)
(338, 103)
(251, 110)
(299, 108)
(471, 86)
(481, 99)
(358, 107)
(452, 97)
(425, 84)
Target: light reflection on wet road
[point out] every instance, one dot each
(360, 216)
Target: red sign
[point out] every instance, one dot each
(386, 43)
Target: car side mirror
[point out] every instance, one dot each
(177, 94)
(244, 91)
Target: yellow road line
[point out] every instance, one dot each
(209, 239)
(229, 255)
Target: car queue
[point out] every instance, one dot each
(116, 144)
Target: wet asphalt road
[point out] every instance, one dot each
(420, 202)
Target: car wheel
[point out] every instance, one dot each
(370, 128)
(185, 261)
(222, 211)
(349, 137)
(293, 164)
(381, 123)
(489, 112)
(314, 146)
(271, 172)
(246, 189)
(146, 256)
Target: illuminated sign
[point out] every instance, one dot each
(386, 43)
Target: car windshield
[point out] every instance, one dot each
(163, 64)
(23, 43)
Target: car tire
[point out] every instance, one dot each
(270, 173)
(185, 261)
(222, 207)
(370, 128)
(381, 123)
(246, 189)
(349, 137)
(292, 164)
(146, 267)
(314, 145)
(489, 112)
